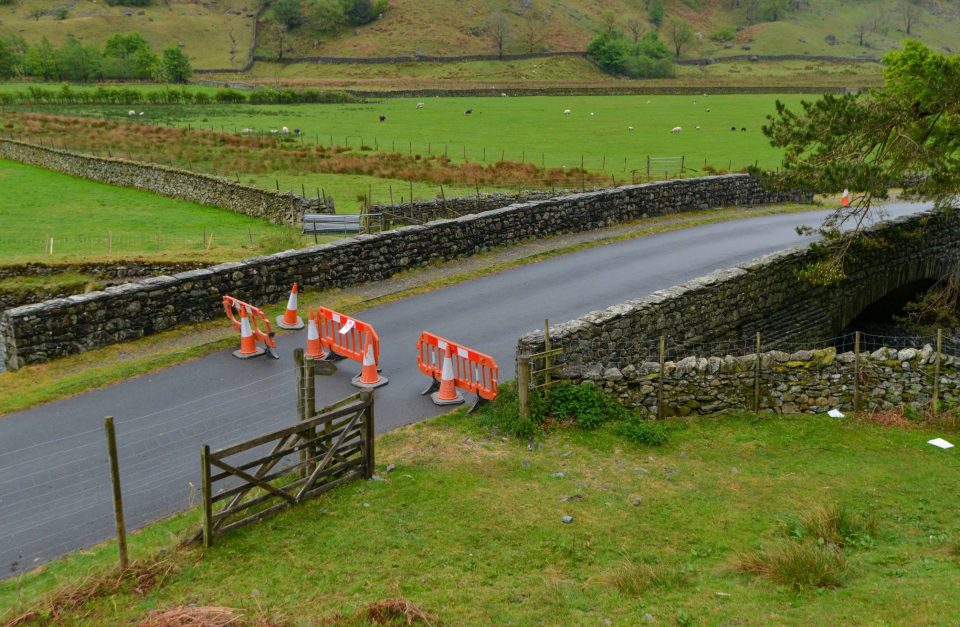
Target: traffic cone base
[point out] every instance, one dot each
(358, 381)
(456, 400)
(241, 355)
(283, 324)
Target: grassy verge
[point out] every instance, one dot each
(469, 526)
(33, 385)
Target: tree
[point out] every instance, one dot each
(534, 25)
(42, 60)
(11, 61)
(326, 16)
(289, 13)
(635, 28)
(360, 12)
(862, 28)
(77, 62)
(655, 12)
(680, 33)
(609, 51)
(498, 29)
(129, 56)
(903, 134)
(911, 16)
(174, 65)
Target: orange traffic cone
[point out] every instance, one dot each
(447, 394)
(369, 377)
(248, 344)
(845, 199)
(314, 349)
(290, 319)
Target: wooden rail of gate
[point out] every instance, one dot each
(537, 371)
(316, 455)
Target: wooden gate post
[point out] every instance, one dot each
(301, 382)
(207, 496)
(369, 457)
(547, 361)
(523, 386)
(117, 494)
(756, 377)
(936, 374)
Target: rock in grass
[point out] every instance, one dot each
(567, 520)
(557, 475)
(389, 468)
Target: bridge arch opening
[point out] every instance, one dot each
(881, 318)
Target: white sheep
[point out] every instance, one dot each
(697, 128)
(141, 113)
(246, 130)
(629, 128)
(591, 114)
(676, 129)
(419, 105)
(131, 112)
(284, 130)
(566, 111)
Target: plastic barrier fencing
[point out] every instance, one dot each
(345, 336)
(256, 318)
(472, 371)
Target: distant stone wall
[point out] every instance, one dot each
(275, 207)
(800, 382)
(37, 333)
(422, 211)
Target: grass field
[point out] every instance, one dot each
(468, 527)
(89, 220)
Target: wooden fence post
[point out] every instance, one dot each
(936, 374)
(756, 377)
(117, 494)
(856, 372)
(523, 386)
(660, 396)
(300, 377)
(546, 359)
(369, 465)
(207, 496)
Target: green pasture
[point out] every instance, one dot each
(89, 220)
(468, 527)
(532, 129)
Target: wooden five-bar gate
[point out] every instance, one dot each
(328, 449)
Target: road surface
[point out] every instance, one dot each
(55, 494)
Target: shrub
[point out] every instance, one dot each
(503, 413)
(797, 564)
(649, 432)
(61, 12)
(229, 96)
(727, 33)
(586, 405)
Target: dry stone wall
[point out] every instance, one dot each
(275, 207)
(800, 382)
(43, 331)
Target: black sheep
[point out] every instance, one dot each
(468, 112)
(383, 118)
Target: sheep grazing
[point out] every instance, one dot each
(694, 103)
(676, 129)
(419, 105)
(131, 112)
(629, 128)
(383, 118)
(708, 110)
(744, 129)
(733, 128)
(296, 131)
(648, 102)
(468, 112)
(273, 131)
(503, 94)
(697, 128)
(591, 114)
(285, 130)
(566, 111)
(246, 130)
(141, 113)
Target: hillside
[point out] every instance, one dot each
(219, 34)
(443, 28)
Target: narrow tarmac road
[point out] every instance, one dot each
(55, 494)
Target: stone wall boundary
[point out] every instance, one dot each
(276, 207)
(43, 331)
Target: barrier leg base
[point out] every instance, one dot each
(332, 356)
(290, 327)
(435, 397)
(476, 404)
(381, 381)
(239, 355)
(433, 387)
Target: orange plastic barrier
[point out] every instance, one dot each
(254, 317)
(344, 337)
(472, 371)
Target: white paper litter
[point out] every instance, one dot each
(836, 413)
(940, 443)
(346, 328)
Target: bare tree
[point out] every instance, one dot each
(862, 28)
(533, 30)
(280, 29)
(635, 27)
(878, 23)
(911, 16)
(680, 33)
(498, 28)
